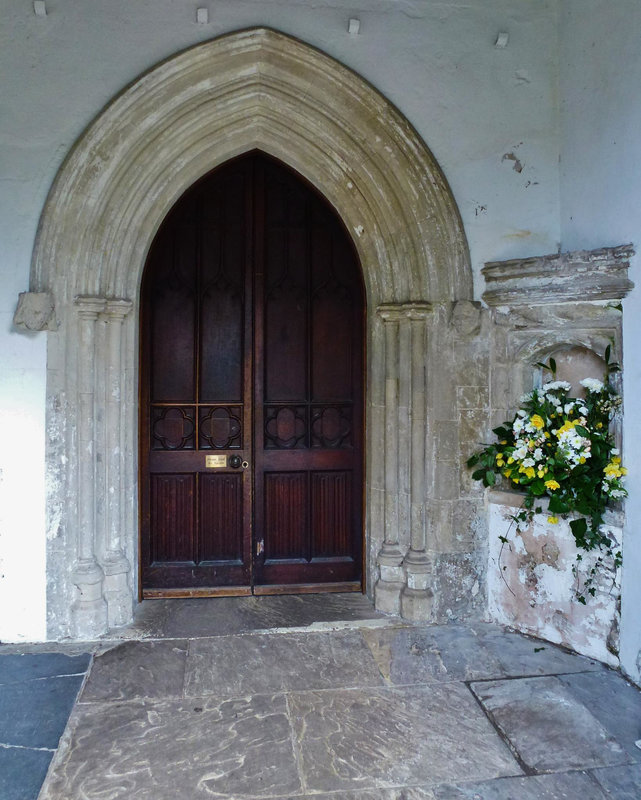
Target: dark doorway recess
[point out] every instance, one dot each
(251, 413)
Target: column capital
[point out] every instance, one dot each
(413, 309)
(89, 307)
(117, 309)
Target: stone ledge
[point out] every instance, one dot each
(504, 497)
(578, 276)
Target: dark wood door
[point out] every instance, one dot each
(251, 391)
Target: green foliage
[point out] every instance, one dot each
(561, 447)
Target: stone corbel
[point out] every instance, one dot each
(466, 317)
(35, 312)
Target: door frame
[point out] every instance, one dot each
(253, 433)
(208, 104)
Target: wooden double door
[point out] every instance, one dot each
(251, 412)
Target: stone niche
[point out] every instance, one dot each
(568, 307)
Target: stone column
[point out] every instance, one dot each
(417, 594)
(387, 591)
(89, 610)
(115, 565)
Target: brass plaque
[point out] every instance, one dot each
(213, 462)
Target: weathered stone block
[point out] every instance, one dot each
(472, 396)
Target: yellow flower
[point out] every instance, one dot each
(553, 520)
(567, 426)
(537, 421)
(541, 472)
(529, 472)
(599, 424)
(510, 460)
(616, 459)
(507, 472)
(552, 485)
(547, 435)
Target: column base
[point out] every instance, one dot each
(117, 592)
(416, 604)
(417, 597)
(89, 610)
(387, 596)
(388, 588)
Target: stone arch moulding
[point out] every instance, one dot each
(255, 89)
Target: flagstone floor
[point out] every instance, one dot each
(320, 697)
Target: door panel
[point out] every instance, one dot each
(251, 346)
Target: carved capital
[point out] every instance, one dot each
(117, 310)
(395, 312)
(35, 312)
(90, 307)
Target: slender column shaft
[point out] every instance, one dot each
(417, 327)
(88, 310)
(116, 312)
(391, 432)
(89, 610)
(417, 594)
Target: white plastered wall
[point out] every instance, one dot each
(489, 115)
(601, 205)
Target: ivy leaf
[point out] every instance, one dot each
(490, 478)
(579, 529)
(608, 350)
(553, 366)
(581, 430)
(478, 475)
(472, 460)
(558, 506)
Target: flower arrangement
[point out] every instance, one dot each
(561, 447)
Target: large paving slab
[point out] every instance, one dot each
(560, 786)
(394, 736)
(614, 702)
(549, 729)
(162, 751)
(138, 670)
(17, 668)
(34, 713)
(521, 655)
(22, 772)
(220, 616)
(240, 665)
(621, 783)
(466, 653)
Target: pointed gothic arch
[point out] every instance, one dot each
(256, 89)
